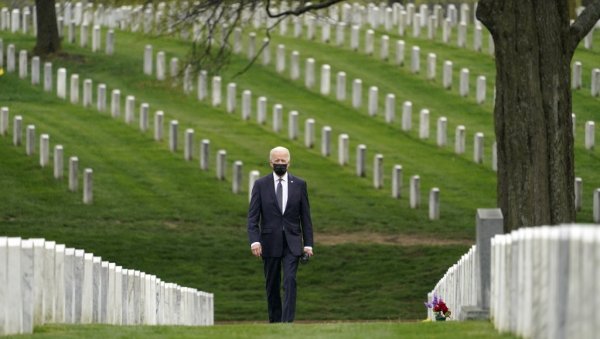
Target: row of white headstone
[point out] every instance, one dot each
(44, 152)
(458, 286)
(115, 110)
(43, 282)
(577, 82)
(390, 104)
(293, 129)
(545, 282)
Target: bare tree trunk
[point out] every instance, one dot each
(48, 41)
(534, 47)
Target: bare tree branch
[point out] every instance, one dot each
(301, 8)
(584, 23)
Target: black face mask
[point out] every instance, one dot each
(280, 169)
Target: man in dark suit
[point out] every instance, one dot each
(280, 230)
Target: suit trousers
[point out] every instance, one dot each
(272, 269)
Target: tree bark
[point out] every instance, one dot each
(534, 47)
(48, 41)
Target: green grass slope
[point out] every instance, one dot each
(156, 212)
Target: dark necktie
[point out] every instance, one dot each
(279, 194)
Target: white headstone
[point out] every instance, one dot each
(447, 76)
(110, 42)
(261, 110)
(309, 79)
(341, 86)
(88, 186)
(477, 37)
(277, 117)
(231, 97)
(397, 182)
(83, 36)
(442, 134)
(464, 82)
(216, 91)
(246, 104)
(202, 85)
(73, 174)
(576, 79)
(589, 135)
(236, 183)
(295, 65)
(400, 48)
(148, 60)
(144, 112)
(115, 103)
(158, 125)
(356, 93)
(431, 60)
(30, 140)
(75, 88)
(339, 33)
(462, 35)
(309, 133)
(173, 139)
(266, 52)
(326, 141)
(293, 125)
(578, 193)
(369, 43)
(378, 171)
(390, 108)
(280, 61)
(459, 141)
(343, 149)
(23, 64)
(87, 93)
(96, 38)
(10, 59)
(424, 124)
(595, 82)
(252, 177)
(354, 36)
(48, 76)
(188, 151)
(129, 109)
(61, 83)
(415, 63)
(17, 130)
(478, 148)
(221, 164)
(161, 66)
(407, 116)
(434, 204)
(204, 154)
(251, 48)
(58, 162)
(415, 191)
(373, 96)
(361, 157)
(325, 79)
(481, 88)
(385, 48)
(101, 104)
(596, 206)
(44, 150)
(4, 120)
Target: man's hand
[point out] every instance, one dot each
(256, 250)
(309, 251)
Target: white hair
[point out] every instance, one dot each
(279, 149)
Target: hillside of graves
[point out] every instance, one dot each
(172, 159)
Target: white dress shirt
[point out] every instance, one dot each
(284, 184)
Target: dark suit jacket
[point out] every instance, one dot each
(266, 223)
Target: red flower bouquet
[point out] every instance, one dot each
(439, 308)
